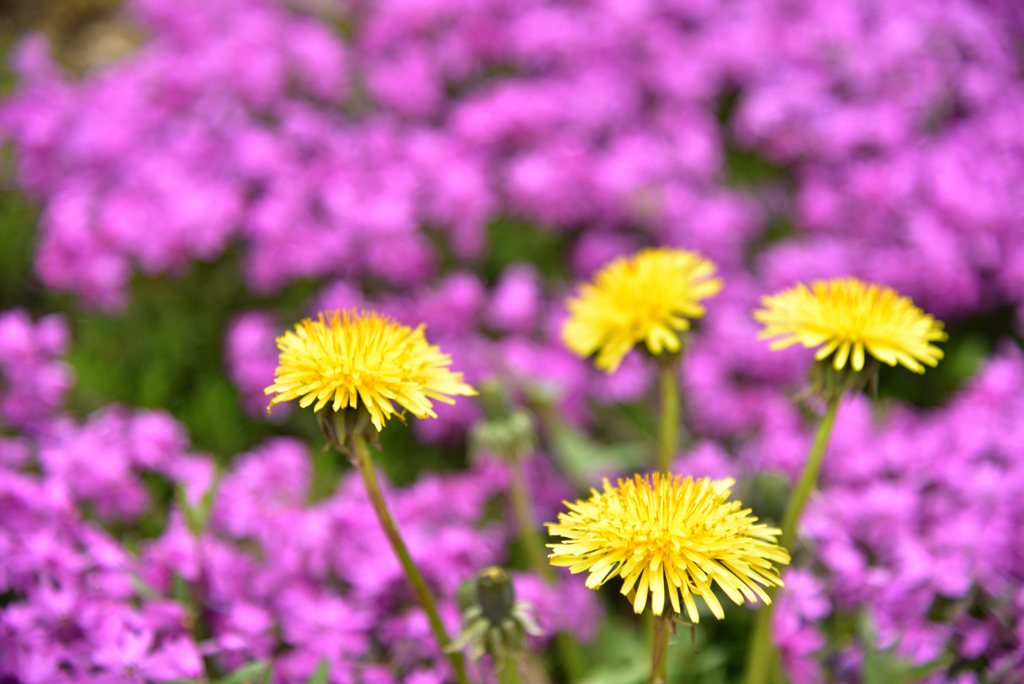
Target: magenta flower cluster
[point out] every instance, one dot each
(251, 120)
(918, 522)
(35, 379)
(328, 156)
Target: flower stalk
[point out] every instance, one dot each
(809, 479)
(353, 368)
(668, 425)
(508, 672)
(568, 649)
(668, 443)
(761, 656)
(509, 433)
(523, 509)
(362, 462)
(659, 652)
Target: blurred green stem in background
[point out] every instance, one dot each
(361, 459)
(568, 649)
(668, 426)
(510, 433)
(534, 546)
(761, 656)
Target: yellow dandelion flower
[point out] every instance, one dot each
(649, 297)
(675, 536)
(346, 357)
(847, 316)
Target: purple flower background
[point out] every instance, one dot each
(380, 151)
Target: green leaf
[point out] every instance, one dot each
(17, 243)
(631, 672)
(582, 459)
(206, 503)
(180, 591)
(141, 588)
(514, 241)
(618, 655)
(320, 676)
(247, 674)
(193, 517)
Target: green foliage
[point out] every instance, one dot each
(17, 244)
(197, 517)
(747, 168)
(165, 350)
(512, 240)
(886, 666)
(320, 676)
(403, 457)
(8, 35)
(619, 656)
(252, 673)
(580, 458)
(257, 672)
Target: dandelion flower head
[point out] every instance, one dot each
(649, 297)
(847, 316)
(669, 536)
(344, 358)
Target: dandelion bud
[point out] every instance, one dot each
(494, 622)
(506, 431)
(339, 426)
(829, 383)
(494, 593)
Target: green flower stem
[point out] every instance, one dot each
(532, 543)
(668, 426)
(568, 649)
(570, 656)
(668, 445)
(761, 657)
(659, 653)
(809, 480)
(361, 453)
(508, 673)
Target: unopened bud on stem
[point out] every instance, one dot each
(339, 426)
(493, 622)
(507, 431)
